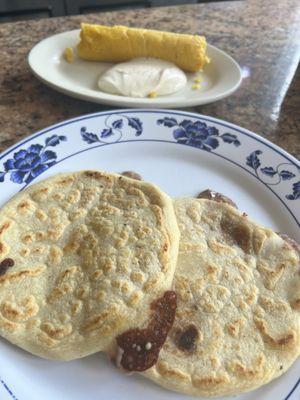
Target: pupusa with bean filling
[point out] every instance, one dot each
(237, 323)
(83, 257)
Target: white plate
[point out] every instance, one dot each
(167, 148)
(79, 79)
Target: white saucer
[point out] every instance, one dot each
(79, 79)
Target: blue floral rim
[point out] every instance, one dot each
(27, 164)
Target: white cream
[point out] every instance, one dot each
(142, 77)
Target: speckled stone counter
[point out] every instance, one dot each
(262, 36)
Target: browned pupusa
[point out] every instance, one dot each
(237, 324)
(82, 257)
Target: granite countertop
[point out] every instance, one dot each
(261, 36)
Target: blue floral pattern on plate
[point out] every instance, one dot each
(112, 129)
(279, 174)
(26, 165)
(197, 134)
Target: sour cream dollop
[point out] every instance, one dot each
(142, 77)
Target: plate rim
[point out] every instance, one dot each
(222, 122)
(122, 101)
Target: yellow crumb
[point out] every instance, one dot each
(152, 95)
(69, 54)
(196, 86)
(198, 79)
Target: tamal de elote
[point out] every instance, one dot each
(120, 43)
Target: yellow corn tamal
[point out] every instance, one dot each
(120, 43)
